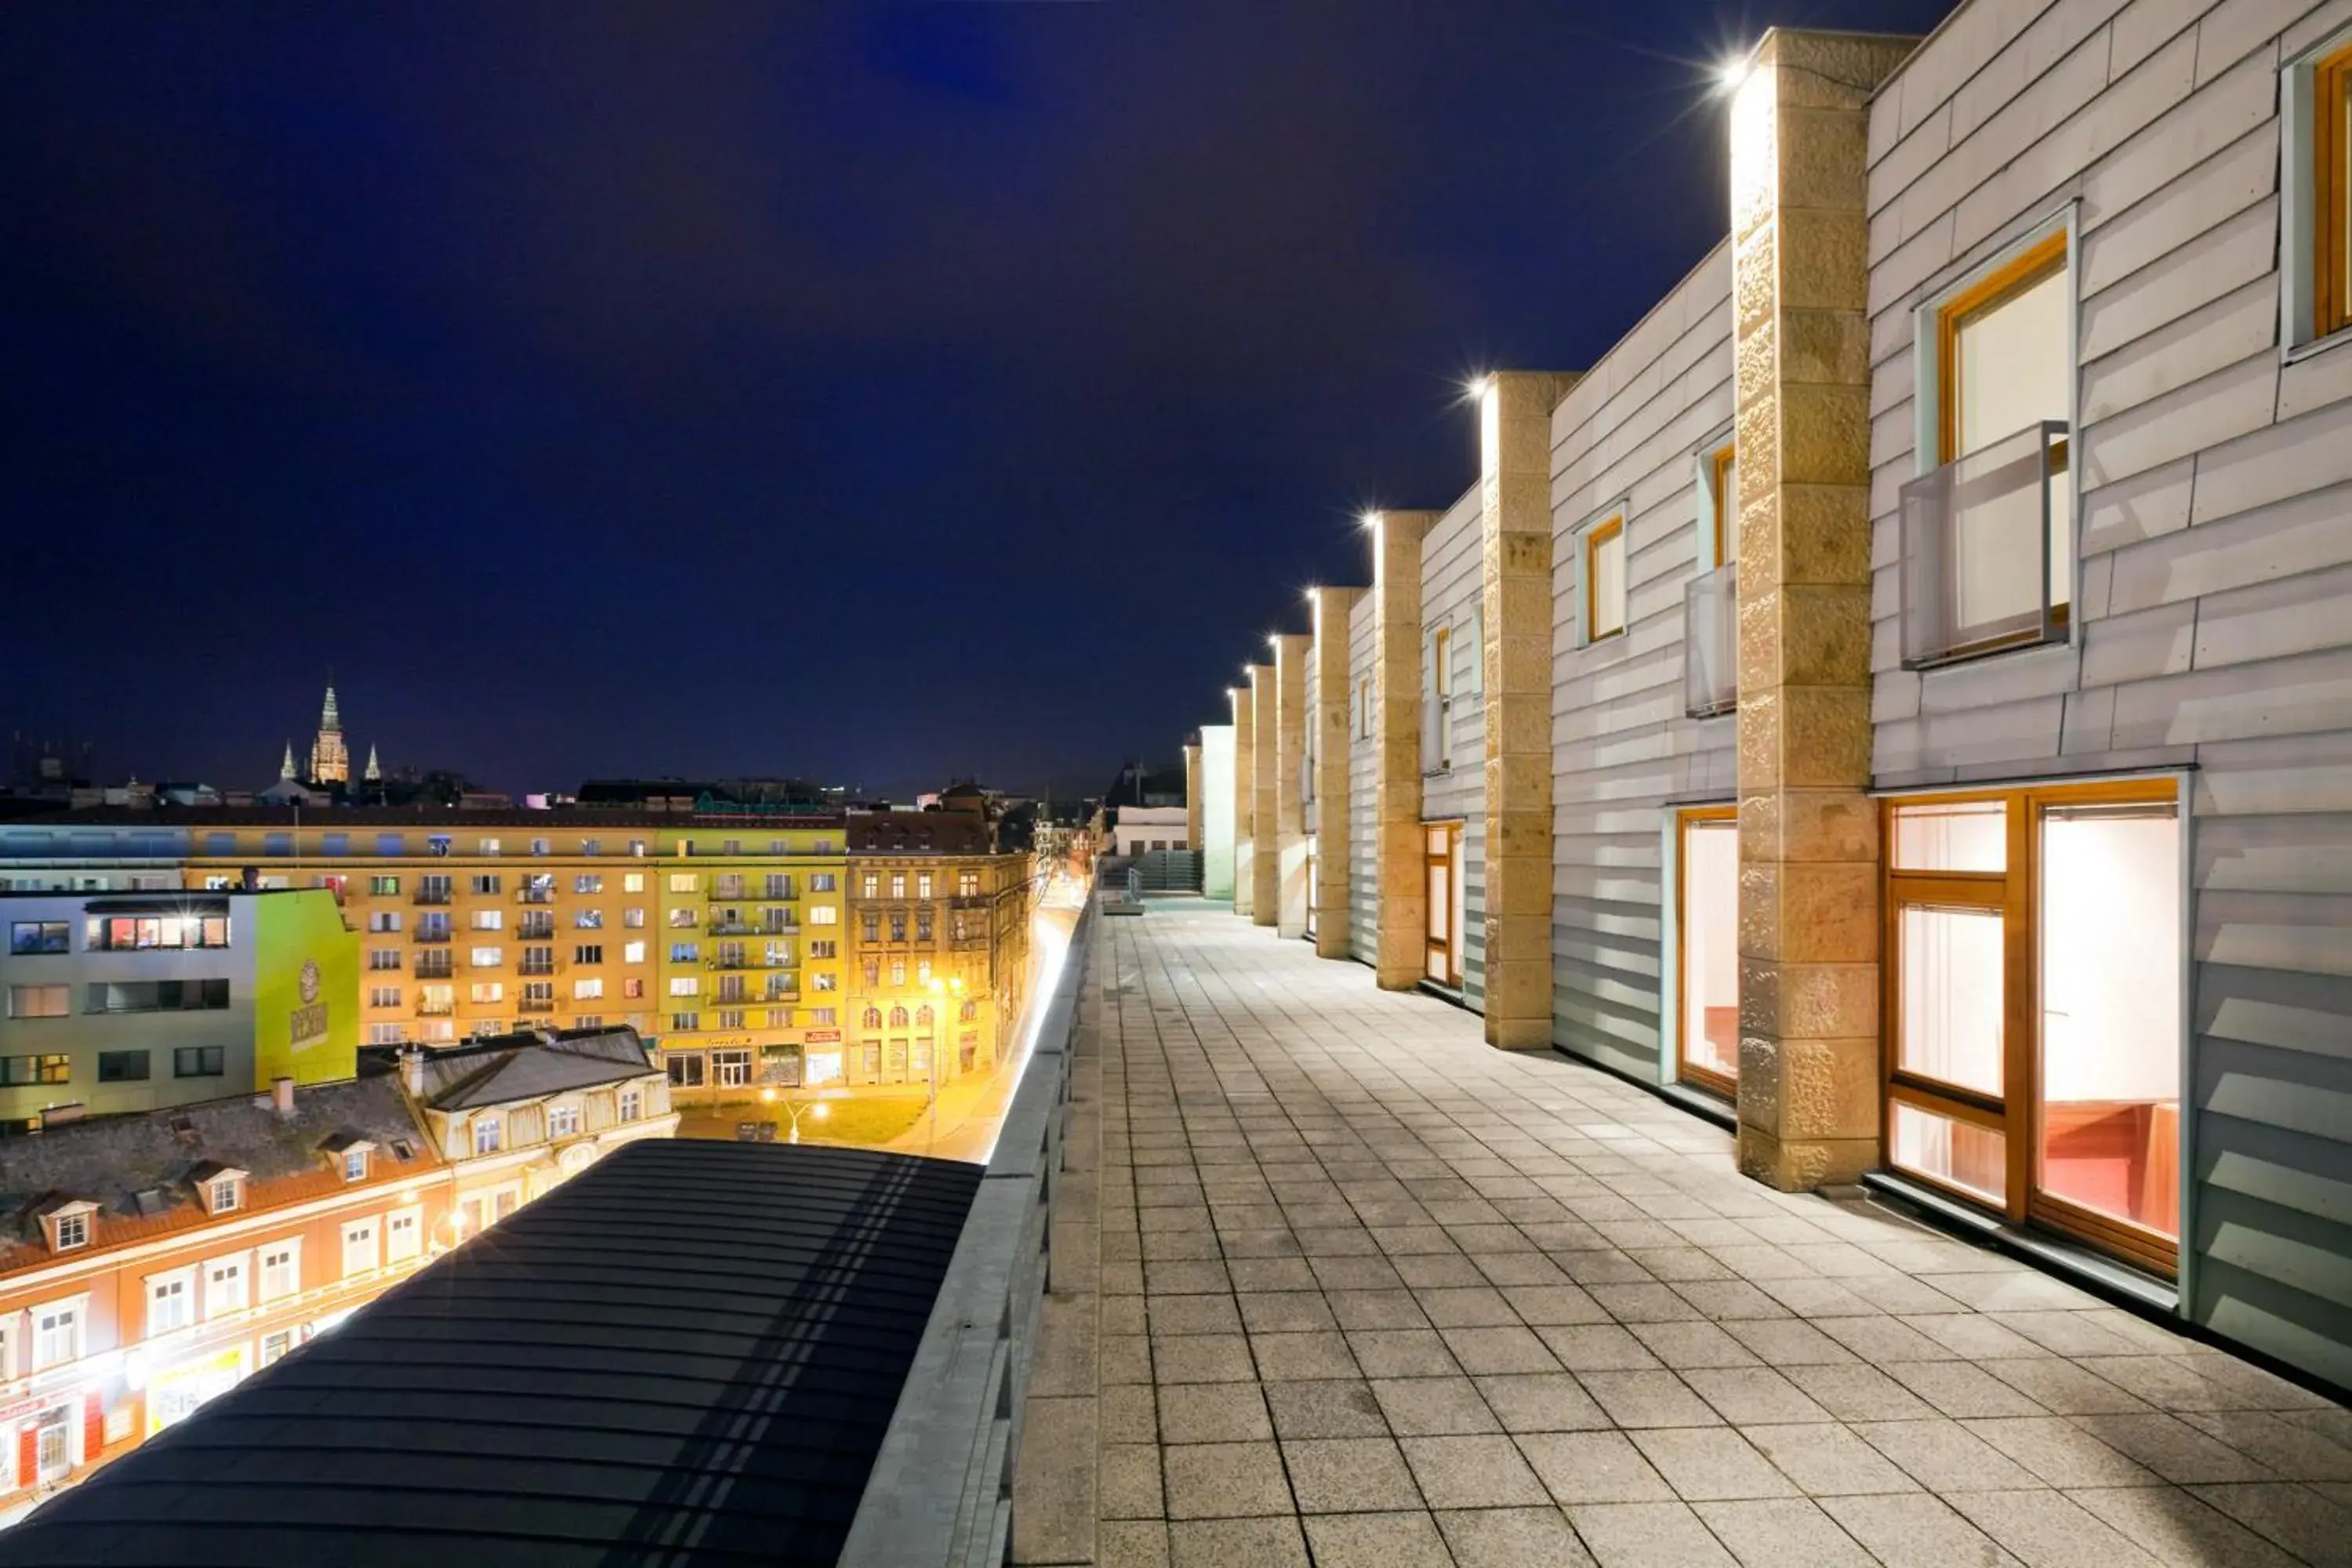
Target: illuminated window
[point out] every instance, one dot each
(2328, 188)
(1603, 557)
(1723, 486)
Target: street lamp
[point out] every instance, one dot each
(796, 1110)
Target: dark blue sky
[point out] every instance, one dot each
(873, 391)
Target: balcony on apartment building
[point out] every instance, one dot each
(1987, 540)
(1408, 1299)
(1711, 643)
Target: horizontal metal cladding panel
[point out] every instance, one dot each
(1628, 437)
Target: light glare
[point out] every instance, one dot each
(1731, 73)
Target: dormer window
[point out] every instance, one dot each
(225, 1194)
(355, 1164)
(348, 1155)
(488, 1136)
(70, 1228)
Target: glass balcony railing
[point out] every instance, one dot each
(1988, 550)
(1711, 643)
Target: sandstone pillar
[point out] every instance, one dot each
(1515, 483)
(1192, 798)
(1266, 861)
(1809, 932)
(1334, 810)
(1400, 842)
(1292, 651)
(1245, 793)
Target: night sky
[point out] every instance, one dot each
(876, 392)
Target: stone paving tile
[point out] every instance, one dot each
(1512, 1538)
(1372, 1292)
(1648, 1535)
(1783, 1532)
(1377, 1540)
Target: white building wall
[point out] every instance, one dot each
(1363, 786)
(2211, 625)
(1631, 437)
(1452, 583)
(1217, 811)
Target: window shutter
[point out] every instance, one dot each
(1703, 487)
(1355, 709)
(28, 1453)
(1478, 681)
(93, 1428)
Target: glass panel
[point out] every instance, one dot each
(1608, 583)
(1951, 980)
(1975, 536)
(1440, 903)
(1711, 643)
(1727, 508)
(2012, 356)
(1952, 836)
(2111, 969)
(1959, 1153)
(1710, 959)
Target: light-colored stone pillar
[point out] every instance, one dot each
(1515, 485)
(1192, 798)
(1402, 954)
(1245, 699)
(1265, 832)
(1809, 932)
(1291, 652)
(1333, 807)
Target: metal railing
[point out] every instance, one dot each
(942, 1487)
(1988, 550)
(1711, 643)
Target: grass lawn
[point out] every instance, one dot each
(861, 1123)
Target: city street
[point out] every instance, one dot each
(963, 1124)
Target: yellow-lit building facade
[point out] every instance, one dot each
(735, 943)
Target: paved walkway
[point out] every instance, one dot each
(1368, 1291)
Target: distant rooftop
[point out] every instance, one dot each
(142, 1169)
(690, 1352)
(507, 1069)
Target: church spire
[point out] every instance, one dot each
(331, 761)
(329, 719)
(285, 768)
(373, 775)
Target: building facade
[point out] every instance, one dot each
(1911, 726)
(734, 940)
(514, 1116)
(151, 1261)
(125, 1001)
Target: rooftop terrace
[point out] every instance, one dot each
(1357, 1289)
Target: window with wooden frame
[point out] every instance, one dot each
(1603, 560)
(1723, 485)
(1706, 966)
(2004, 363)
(2331, 193)
(1442, 885)
(2032, 978)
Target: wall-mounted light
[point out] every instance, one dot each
(1731, 73)
(1369, 520)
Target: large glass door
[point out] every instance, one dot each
(1442, 868)
(1708, 930)
(2034, 973)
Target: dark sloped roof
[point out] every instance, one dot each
(514, 1068)
(111, 1160)
(686, 1354)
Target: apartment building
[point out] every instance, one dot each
(937, 948)
(127, 1002)
(148, 1262)
(721, 934)
(1912, 662)
(514, 1116)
